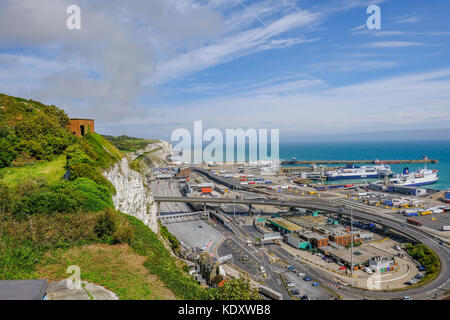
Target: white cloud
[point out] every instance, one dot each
(236, 45)
(392, 44)
(409, 18)
(402, 102)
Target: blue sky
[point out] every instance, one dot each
(308, 68)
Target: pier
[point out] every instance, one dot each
(376, 161)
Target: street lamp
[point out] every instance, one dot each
(351, 235)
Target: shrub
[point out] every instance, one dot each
(123, 234)
(75, 155)
(425, 256)
(174, 242)
(45, 202)
(106, 225)
(236, 289)
(5, 199)
(97, 196)
(7, 153)
(84, 170)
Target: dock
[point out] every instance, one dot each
(376, 161)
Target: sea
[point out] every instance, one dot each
(382, 150)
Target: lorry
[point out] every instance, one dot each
(411, 221)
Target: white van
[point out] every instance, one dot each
(367, 270)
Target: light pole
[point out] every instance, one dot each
(234, 203)
(351, 235)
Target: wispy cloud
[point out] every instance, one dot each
(392, 44)
(409, 18)
(236, 45)
(402, 102)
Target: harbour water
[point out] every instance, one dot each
(376, 150)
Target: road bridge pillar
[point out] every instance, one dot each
(250, 209)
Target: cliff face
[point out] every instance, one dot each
(154, 154)
(133, 196)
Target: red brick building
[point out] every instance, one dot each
(80, 127)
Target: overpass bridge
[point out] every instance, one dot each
(183, 217)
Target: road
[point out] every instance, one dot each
(426, 291)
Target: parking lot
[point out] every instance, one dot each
(306, 287)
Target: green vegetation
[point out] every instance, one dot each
(162, 263)
(55, 205)
(31, 131)
(174, 242)
(145, 160)
(129, 144)
(52, 171)
(116, 267)
(355, 244)
(427, 257)
(236, 289)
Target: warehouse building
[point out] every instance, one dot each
(315, 239)
(295, 241)
(283, 226)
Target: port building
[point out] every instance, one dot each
(283, 226)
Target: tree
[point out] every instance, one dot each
(236, 289)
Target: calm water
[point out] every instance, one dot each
(376, 150)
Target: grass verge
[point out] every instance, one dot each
(53, 171)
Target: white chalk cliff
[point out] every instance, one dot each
(133, 195)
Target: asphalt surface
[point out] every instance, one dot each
(427, 291)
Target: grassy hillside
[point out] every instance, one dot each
(48, 222)
(129, 144)
(31, 131)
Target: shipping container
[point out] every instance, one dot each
(445, 228)
(412, 214)
(206, 190)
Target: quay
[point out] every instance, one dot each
(377, 161)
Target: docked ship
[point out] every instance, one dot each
(363, 172)
(420, 177)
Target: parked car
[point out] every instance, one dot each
(367, 270)
(295, 292)
(305, 297)
(300, 274)
(342, 268)
(422, 268)
(307, 278)
(407, 298)
(315, 284)
(290, 284)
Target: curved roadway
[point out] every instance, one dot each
(412, 232)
